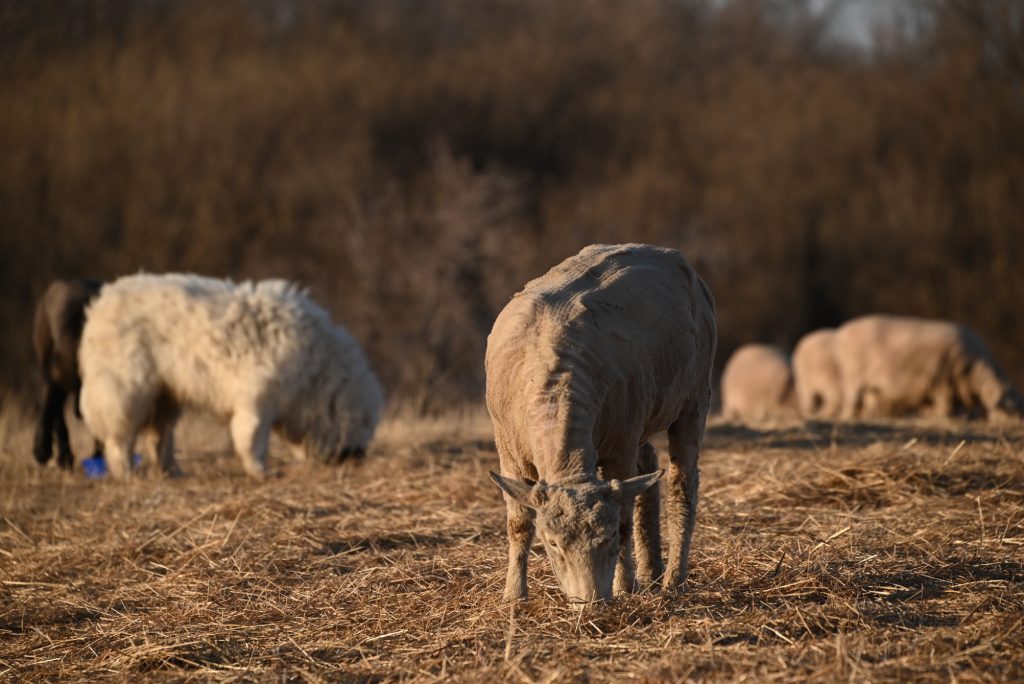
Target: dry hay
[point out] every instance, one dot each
(881, 552)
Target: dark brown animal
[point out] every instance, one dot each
(56, 333)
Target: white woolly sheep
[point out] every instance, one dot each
(262, 355)
(584, 365)
(816, 375)
(56, 332)
(893, 366)
(757, 385)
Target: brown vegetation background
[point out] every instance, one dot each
(413, 163)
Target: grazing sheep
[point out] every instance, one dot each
(816, 375)
(584, 365)
(757, 384)
(56, 332)
(893, 366)
(262, 355)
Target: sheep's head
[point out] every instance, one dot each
(578, 523)
(990, 385)
(350, 422)
(1011, 405)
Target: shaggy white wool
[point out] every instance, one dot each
(262, 355)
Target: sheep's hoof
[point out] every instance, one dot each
(648, 585)
(626, 587)
(515, 594)
(355, 453)
(42, 451)
(263, 474)
(679, 588)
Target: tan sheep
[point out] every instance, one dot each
(816, 375)
(893, 366)
(584, 365)
(757, 385)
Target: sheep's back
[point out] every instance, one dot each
(627, 331)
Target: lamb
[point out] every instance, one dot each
(262, 355)
(757, 385)
(893, 366)
(816, 375)
(56, 332)
(583, 366)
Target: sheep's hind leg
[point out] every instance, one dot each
(251, 436)
(625, 570)
(647, 523)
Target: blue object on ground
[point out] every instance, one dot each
(96, 466)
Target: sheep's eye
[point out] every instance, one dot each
(552, 543)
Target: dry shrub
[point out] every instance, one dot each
(415, 163)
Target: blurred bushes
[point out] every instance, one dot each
(414, 163)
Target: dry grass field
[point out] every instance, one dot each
(864, 553)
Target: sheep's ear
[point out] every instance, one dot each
(624, 490)
(527, 492)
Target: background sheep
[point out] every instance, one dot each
(583, 366)
(56, 332)
(757, 384)
(816, 375)
(261, 355)
(891, 366)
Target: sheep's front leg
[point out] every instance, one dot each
(250, 434)
(625, 572)
(119, 458)
(942, 401)
(647, 525)
(159, 436)
(520, 536)
(684, 439)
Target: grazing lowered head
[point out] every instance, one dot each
(988, 384)
(577, 520)
(1011, 406)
